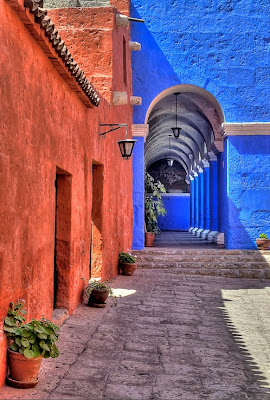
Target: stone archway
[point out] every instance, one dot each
(198, 150)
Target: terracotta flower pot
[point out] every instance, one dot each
(23, 372)
(263, 244)
(98, 298)
(128, 268)
(149, 239)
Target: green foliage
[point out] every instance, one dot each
(97, 285)
(34, 339)
(263, 236)
(153, 204)
(127, 258)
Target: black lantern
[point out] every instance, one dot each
(126, 145)
(176, 130)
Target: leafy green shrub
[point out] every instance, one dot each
(34, 339)
(153, 204)
(263, 236)
(127, 258)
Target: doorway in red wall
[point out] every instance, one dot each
(96, 225)
(62, 248)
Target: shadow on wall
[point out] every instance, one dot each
(246, 315)
(149, 70)
(248, 190)
(238, 235)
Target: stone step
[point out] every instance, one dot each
(228, 263)
(196, 265)
(204, 259)
(214, 252)
(228, 273)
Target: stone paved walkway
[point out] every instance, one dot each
(170, 337)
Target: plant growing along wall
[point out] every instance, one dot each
(153, 204)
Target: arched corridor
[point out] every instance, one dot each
(184, 150)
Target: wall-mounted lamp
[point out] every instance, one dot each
(176, 130)
(126, 145)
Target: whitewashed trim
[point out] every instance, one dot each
(246, 129)
(140, 130)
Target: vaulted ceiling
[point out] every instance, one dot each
(199, 121)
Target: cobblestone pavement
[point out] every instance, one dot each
(171, 336)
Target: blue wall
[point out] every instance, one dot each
(138, 194)
(178, 213)
(247, 208)
(222, 46)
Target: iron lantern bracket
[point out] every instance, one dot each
(113, 127)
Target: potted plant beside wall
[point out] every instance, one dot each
(127, 263)
(153, 206)
(97, 293)
(263, 242)
(29, 343)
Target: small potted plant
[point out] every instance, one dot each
(153, 206)
(127, 263)
(263, 242)
(97, 293)
(28, 344)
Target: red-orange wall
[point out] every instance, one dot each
(44, 125)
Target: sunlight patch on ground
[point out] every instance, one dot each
(123, 292)
(247, 312)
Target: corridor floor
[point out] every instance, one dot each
(183, 239)
(170, 337)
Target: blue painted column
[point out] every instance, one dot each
(139, 133)
(213, 194)
(192, 203)
(207, 213)
(201, 202)
(196, 201)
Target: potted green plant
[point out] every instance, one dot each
(28, 344)
(97, 293)
(127, 263)
(263, 242)
(153, 206)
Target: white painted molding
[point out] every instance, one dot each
(219, 238)
(135, 46)
(210, 235)
(120, 98)
(205, 163)
(246, 129)
(205, 233)
(199, 232)
(212, 156)
(135, 100)
(121, 20)
(140, 130)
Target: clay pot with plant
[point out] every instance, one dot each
(97, 293)
(127, 263)
(153, 206)
(263, 242)
(29, 343)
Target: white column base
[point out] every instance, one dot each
(198, 233)
(191, 229)
(210, 235)
(205, 233)
(218, 238)
(194, 231)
